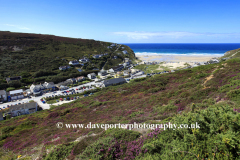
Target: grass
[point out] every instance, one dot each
(148, 68)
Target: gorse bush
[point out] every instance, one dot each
(218, 137)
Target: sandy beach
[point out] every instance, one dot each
(174, 61)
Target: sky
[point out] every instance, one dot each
(126, 21)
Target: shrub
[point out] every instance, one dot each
(10, 89)
(61, 152)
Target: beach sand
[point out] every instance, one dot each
(174, 61)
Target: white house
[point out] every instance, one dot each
(49, 85)
(96, 56)
(35, 88)
(113, 45)
(110, 71)
(75, 62)
(64, 67)
(125, 52)
(3, 95)
(16, 94)
(102, 73)
(91, 75)
(84, 60)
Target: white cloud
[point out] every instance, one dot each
(175, 35)
(17, 26)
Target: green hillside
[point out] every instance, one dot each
(208, 95)
(40, 56)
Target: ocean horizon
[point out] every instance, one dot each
(184, 49)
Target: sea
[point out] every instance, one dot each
(191, 49)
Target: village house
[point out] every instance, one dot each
(118, 74)
(113, 45)
(118, 68)
(71, 81)
(126, 59)
(16, 94)
(22, 109)
(13, 78)
(84, 60)
(64, 67)
(110, 70)
(126, 73)
(125, 52)
(133, 71)
(3, 96)
(91, 76)
(49, 85)
(95, 56)
(115, 81)
(75, 62)
(102, 73)
(80, 79)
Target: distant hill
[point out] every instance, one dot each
(25, 55)
(232, 53)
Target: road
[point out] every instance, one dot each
(37, 99)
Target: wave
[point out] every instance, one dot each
(179, 54)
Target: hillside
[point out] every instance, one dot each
(232, 54)
(208, 95)
(37, 57)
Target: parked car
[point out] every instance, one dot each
(68, 98)
(43, 102)
(64, 99)
(91, 94)
(61, 99)
(74, 98)
(85, 95)
(57, 100)
(71, 98)
(77, 97)
(41, 99)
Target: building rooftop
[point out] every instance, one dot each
(16, 91)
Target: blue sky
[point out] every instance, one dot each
(126, 21)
